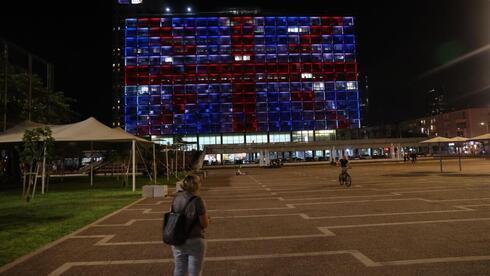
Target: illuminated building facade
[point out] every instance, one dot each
(263, 77)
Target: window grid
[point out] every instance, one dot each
(189, 75)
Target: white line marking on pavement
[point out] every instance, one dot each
(265, 197)
(401, 223)
(253, 209)
(149, 211)
(334, 197)
(431, 191)
(229, 188)
(455, 199)
(151, 204)
(474, 205)
(437, 260)
(128, 223)
(105, 239)
(267, 238)
(462, 209)
(390, 199)
(351, 201)
(260, 216)
(366, 261)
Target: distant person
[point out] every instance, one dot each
(189, 257)
(239, 171)
(413, 156)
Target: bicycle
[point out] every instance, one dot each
(345, 179)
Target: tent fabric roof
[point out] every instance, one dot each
(438, 139)
(458, 139)
(482, 137)
(87, 130)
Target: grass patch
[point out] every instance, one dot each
(69, 205)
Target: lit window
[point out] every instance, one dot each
(293, 29)
(238, 58)
(246, 57)
(306, 75)
(143, 89)
(351, 85)
(169, 59)
(318, 86)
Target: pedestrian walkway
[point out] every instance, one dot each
(396, 219)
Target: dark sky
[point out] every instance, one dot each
(398, 42)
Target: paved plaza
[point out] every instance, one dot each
(396, 219)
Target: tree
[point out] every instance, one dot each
(37, 148)
(47, 106)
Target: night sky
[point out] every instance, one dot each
(399, 43)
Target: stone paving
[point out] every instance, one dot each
(396, 219)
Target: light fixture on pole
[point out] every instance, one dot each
(483, 124)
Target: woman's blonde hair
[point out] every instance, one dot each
(192, 183)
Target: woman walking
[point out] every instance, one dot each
(189, 256)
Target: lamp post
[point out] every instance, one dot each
(6, 60)
(485, 124)
(10, 47)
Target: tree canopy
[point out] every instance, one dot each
(51, 107)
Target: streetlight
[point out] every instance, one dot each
(167, 9)
(189, 9)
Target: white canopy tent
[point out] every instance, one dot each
(458, 140)
(437, 140)
(89, 130)
(481, 137)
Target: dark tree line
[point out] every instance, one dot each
(50, 107)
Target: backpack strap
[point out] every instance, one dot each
(196, 218)
(188, 202)
(185, 206)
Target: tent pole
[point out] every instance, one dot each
(459, 157)
(183, 158)
(176, 159)
(166, 163)
(43, 173)
(154, 166)
(440, 156)
(43, 177)
(133, 149)
(91, 163)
